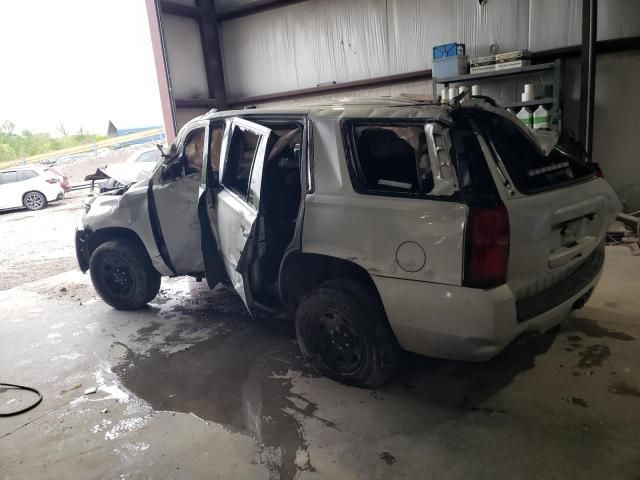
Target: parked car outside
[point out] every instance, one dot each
(378, 224)
(138, 166)
(31, 187)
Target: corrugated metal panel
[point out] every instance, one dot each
(338, 41)
(185, 57)
(258, 54)
(415, 26)
(183, 115)
(321, 41)
(554, 24)
(618, 18)
(616, 140)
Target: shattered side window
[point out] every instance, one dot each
(392, 158)
(237, 168)
(194, 151)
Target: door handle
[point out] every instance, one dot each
(245, 232)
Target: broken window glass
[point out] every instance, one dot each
(237, 169)
(194, 151)
(393, 158)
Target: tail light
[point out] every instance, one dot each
(486, 247)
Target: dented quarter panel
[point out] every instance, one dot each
(373, 228)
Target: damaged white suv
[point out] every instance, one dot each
(380, 224)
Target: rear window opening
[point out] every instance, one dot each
(394, 159)
(529, 168)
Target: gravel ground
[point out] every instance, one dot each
(39, 244)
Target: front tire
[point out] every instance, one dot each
(34, 200)
(123, 275)
(343, 332)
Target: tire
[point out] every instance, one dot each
(34, 200)
(343, 332)
(122, 274)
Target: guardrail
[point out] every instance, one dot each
(87, 147)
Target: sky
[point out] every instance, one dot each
(79, 62)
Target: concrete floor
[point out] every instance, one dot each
(193, 388)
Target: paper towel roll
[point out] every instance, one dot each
(528, 88)
(453, 92)
(475, 90)
(527, 96)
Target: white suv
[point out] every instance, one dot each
(30, 187)
(379, 224)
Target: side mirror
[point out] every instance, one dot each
(173, 168)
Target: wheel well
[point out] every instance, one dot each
(301, 272)
(98, 237)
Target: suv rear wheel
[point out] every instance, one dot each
(34, 200)
(122, 274)
(343, 332)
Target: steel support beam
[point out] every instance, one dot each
(207, 19)
(212, 53)
(588, 72)
(162, 69)
(255, 7)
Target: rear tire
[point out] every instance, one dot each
(123, 275)
(34, 200)
(343, 332)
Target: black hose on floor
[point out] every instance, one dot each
(27, 408)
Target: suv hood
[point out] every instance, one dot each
(123, 173)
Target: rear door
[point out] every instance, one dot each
(232, 210)
(559, 211)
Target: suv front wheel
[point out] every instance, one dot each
(122, 274)
(343, 332)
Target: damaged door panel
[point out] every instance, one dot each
(233, 217)
(175, 201)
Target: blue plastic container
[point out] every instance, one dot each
(448, 50)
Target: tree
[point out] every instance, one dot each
(60, 128)
(7, 127)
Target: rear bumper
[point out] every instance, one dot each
(462, 323)
(55, 194)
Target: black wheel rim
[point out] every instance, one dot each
(117, 276)
(332, 337)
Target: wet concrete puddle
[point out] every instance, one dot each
(240, 377)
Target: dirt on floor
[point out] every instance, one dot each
(39, 244)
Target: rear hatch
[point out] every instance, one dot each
(558, 209)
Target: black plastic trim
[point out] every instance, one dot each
(154, 220)
(561, 292)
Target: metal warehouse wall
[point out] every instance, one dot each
(322, 41)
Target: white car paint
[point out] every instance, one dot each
(412, 248)
(14, 186)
